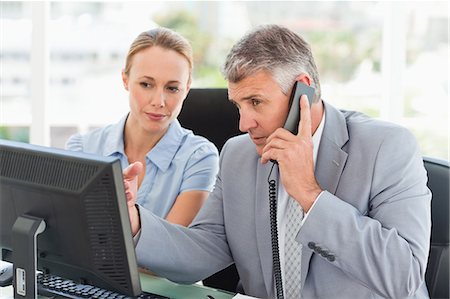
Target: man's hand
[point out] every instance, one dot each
(294, 154)
(130, 180)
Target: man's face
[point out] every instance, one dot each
(262, 106)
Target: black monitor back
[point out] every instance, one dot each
(82, 201)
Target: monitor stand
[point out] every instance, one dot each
(24, 233)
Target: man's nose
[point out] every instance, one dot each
(246, 121)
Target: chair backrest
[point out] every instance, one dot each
(436, 277)
(207, 112)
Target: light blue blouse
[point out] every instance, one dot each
(180, 161)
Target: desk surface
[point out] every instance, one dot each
(170, 289)
(163, 287)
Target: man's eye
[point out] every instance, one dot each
(145, 84)
(255, 102)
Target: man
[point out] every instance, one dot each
(360, 184)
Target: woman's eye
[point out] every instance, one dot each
(173, 89)
(145, 84)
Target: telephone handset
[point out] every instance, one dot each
(293, 117)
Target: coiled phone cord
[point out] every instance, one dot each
(274, 235)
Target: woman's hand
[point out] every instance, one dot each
(130, 180)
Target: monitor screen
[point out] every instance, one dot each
(81, 198)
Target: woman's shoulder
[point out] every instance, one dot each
(92, 141)
(198, 143)
(192, 146)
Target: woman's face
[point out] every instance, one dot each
(158, 82)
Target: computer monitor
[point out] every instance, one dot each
(81, 198)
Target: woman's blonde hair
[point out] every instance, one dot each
(164, 38)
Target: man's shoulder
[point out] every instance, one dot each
(242, 142)
(362, 125)
(239, 148)
(370, 135)
(237, 157)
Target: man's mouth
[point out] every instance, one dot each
(258, 140)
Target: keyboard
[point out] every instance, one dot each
(55, 286)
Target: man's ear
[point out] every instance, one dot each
(125, 80)
(304, 78)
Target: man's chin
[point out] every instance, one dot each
(259, 145)
(259, 149)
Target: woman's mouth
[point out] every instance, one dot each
(155, 116)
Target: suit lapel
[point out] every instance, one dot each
(331, 158)
(329, 166)
(263, 222)
(330, 163)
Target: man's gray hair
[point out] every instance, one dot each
(277, 50)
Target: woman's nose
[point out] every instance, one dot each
(158, 99)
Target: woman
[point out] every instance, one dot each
(179, 167)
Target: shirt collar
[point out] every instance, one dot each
(164, 151)
(317, 136)
(114, 142)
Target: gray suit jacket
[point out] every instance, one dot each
(366, 237)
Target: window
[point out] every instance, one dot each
(386, 59)
(15, 71)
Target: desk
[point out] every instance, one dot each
(170, 289)
(160, 286)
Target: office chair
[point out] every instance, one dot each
(436, 276)
(207, 112)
